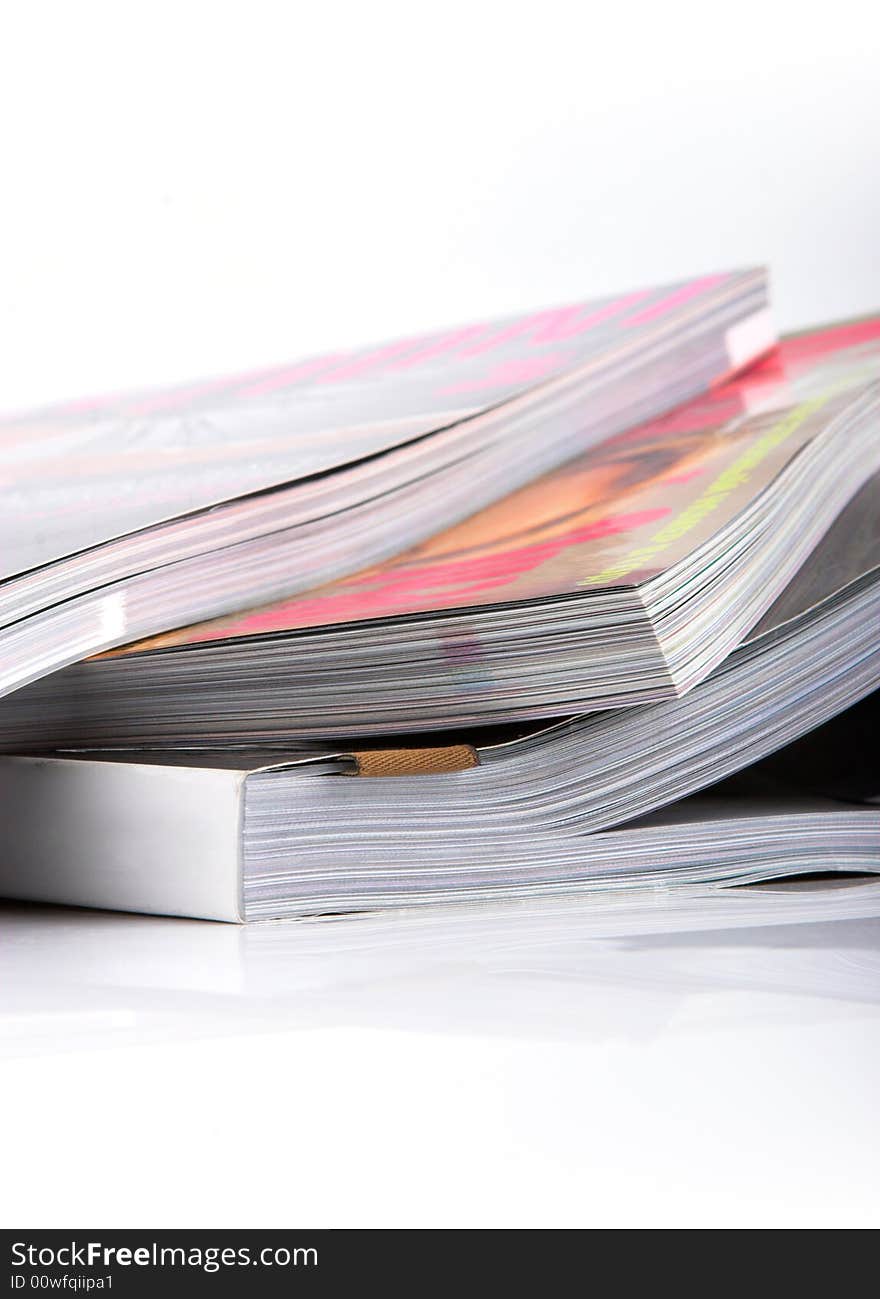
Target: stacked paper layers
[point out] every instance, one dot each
(512, 631)
(626, 577)
(129, 515)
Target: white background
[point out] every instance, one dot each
(189, 188)
(194, 187)
(493, 1067)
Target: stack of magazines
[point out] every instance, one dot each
(577, 603)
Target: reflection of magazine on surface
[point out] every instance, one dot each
(381, 967)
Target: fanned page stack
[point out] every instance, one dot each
(626, 577)
(128, 515)
(650, 669)
(220, 838)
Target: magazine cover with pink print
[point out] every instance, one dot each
(625, 577)
(618, 515)
(129, 515)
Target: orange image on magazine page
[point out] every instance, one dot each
(510, 550)
(614, 516)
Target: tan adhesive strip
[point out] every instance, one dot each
(415, 762)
